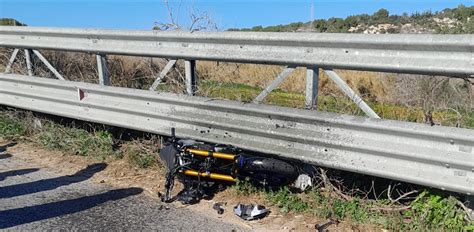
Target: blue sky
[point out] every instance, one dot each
(142, 14)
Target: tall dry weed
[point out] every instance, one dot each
(371, 85)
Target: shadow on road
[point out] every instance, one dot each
(14, 217)
(6, 174)
(5, 156)
(4, 147)
(49, 184)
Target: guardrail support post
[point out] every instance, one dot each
(50, 67)
(162, 74)
(285, 73)
(190, 70)
(11, 60)
(102, 69)
(29, 65)
(350, 93)
(312, 79)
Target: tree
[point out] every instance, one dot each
(425, 19)
(257, 28)
(462, 13)
(336, 25)
(352, 21)
(10, 22)
(381, 16)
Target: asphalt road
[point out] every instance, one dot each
(32, 198)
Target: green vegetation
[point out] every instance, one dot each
(429, 211)
(286, 201)
(357, 210)
(246, 93)
(461, 15)
(142, 153)
(325, 205)
(11, 128)
(10, 22)
(75, 140)
(245, 186)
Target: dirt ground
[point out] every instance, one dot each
(120, 173)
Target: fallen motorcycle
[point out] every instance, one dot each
(202, 167)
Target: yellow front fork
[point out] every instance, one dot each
(214, 176)
(218, 155)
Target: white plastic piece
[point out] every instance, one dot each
(303, 182)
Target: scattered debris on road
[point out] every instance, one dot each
(321, 227)
(218, 207)
(250, 211)
(303, 182)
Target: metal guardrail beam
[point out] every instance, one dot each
(440, 157)
(162, 74)
(48, 65)
(311, 91)
(102, 69)
(11, 60)
(274, 84)
(450, 55)
(29, 65)
(346, 89)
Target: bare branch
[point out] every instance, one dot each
(469, 214)
(403, 196)
(328, 185)
(199, 20)
(390, 209)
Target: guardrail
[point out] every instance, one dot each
(450, 55)
(441, 157)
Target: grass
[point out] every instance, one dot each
(356, 210)
(142, 153)
(11, 128)
(246, 93)
(245, 187)
(430, 210)
(286, 201)
(313, 202)
(74, 140)
(260, 75)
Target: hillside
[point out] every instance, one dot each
(10, 22)
(453, 21)
(449, 21)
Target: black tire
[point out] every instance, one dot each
(267, 171)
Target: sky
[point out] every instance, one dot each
(143, 14)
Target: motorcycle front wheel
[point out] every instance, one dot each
(266, 171)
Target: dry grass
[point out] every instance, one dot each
(371, 85)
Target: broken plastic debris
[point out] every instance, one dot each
(251, 211)
(321, 227)
(218, 207)
(303, 182)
